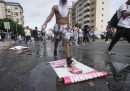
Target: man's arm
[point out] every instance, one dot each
(125, 13)
(123, 9)
(49, 17)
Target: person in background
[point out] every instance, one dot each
(35, 35)
(92, 34)
(76, 35)
(123, 28)
(86, 34)
(20, 39)
(109, 34)
(80, 35)
(27, 34)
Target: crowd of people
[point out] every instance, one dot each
(63, 31)
(31, 36)
(78, 34)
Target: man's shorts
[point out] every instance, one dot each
(28, 37)
(61, 32)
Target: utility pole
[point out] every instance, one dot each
(17, 28)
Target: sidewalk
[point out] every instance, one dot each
(4, 45)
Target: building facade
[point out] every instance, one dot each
(2, 9)
(94, 13)
(70, 16)
(81, 12)
(13, 11)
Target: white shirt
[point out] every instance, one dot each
(75, 32)
(27, 32)
(63, 9)
(80, 33)
(20, 37)
(124, 22)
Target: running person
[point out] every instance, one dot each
(123, 28)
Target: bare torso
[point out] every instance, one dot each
(59, 19)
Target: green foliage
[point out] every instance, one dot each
(1, 24)
(13, 26)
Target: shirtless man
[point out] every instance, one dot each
(61, 12)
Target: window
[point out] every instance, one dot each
(92, 9)
(80, 19)
(16, 7)
(20, 13)
(80, 9)
(87, 10)
(102, 2)
(80, 4)
(102, 15)
(80, 14)
(92, 20)
(9, 16)
(12, 13)
(16, 13)
(92, 15)
(102, 8)
(101, 20)
(88, 4)
(86, 16)
(92, 3)
(9, 10)
(87, 21)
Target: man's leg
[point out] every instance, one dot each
(56, 42)
(35, 39)
(66, 48)
(76, 42)
(85, 39)
(116, 38)
(111, 36)
(29, 39)
(127, 35)
(26, 39)
(88, 38)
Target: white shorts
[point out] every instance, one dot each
(61, 30)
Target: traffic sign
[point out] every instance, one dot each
(6, 25)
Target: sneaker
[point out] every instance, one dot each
(107, 42)
(110, 53)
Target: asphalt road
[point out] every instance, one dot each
(29, 71)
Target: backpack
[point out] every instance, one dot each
(114, 20)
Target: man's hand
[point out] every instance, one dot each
(44, 26)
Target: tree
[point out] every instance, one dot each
(13, 26)
(1, 24)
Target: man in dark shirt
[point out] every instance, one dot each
(35, 35)
(86, 33)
